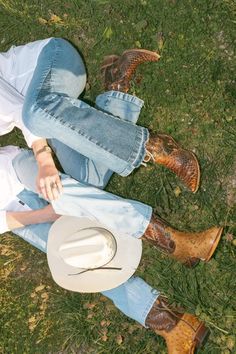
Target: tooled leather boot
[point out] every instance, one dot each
(183, 332)
(117, 70)
(187, 247)
(163, 150)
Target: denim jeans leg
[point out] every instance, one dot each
(83, 169)
(51, 111)
(26, 169)
(134, 298)
(36, 235)
(125, 216)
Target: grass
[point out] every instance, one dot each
(190, 94)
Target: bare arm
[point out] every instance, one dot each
(16, 219)
(48, 180)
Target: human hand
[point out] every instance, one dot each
(48, 181)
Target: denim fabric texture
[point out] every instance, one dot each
(51, 110)
(134, 298)
(125, 216)
(80, 167)
(76, 133)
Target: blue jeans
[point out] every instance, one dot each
(90, 144)
(51, 110)
(135, 297)
(80, 167)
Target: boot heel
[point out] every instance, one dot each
(201, 335)
(108, 61)
(192, 262)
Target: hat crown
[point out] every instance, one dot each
(88, 248)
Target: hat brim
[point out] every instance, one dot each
(127, 257)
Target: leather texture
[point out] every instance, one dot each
(183, 332)
(164, 150)
(117, 71)
(186, 247)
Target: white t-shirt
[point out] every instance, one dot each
(17, 66)
(10, 185)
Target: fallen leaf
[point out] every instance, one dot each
(89, 305)
(107, 33)
(177, 191)
(119, 339)
(104, 338)
(39, 288)
(55, 19)
(160, 40)
(137, 44)
(42, 21)
(44, 296)
(103, 323)
(32, 319)
(90, 315)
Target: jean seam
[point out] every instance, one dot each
(52, 62)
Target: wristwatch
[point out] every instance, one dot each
(45, 148)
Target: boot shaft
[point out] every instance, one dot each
(183, 332)
(186, 247)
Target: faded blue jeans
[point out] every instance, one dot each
(135, 297)
(51, 110)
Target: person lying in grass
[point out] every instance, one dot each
(39, 87)
(36, 219)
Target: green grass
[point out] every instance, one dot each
(191, 94)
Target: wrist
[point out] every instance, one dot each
(43, 150)
(44, 158)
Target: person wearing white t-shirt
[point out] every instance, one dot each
(30, 216)
(39, 87)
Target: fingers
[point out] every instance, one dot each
(50, 187)
(59, 184)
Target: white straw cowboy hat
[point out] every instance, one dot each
(84, 256)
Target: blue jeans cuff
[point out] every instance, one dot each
(125, 97)
(155, 295)
(139, 151)
(145, 223)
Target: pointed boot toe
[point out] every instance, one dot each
(163, 149)
(193, 247)
(212, 239)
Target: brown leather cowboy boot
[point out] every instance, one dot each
(183, 332)
(117, 71)
(187, 247)
(163, 150)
